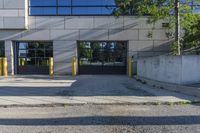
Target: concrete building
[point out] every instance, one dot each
(31, 32)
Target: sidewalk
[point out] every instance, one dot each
(84, 89)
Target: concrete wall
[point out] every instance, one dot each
(13, 14)
(170, 69)
(65, 31)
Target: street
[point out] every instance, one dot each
(93, 104)
(90, 118)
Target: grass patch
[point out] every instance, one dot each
(187, 102)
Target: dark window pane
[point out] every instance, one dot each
(31, 45)
(43, 11)
(2, 49)
(39, 53)
(42, 2)
(30, 53)
(39, 45)
(49, 53)
(48, 46)
(30, 61)
(42, 61)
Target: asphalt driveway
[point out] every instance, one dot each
(84, 89)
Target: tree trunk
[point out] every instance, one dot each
(178, 29)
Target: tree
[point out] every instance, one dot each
(192, 34)
(175, 12)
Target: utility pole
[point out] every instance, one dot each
(178, 28)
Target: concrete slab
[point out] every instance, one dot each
(84, 89)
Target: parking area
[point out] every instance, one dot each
(83, 89)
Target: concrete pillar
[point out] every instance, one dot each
(64, 51)
(9, 54)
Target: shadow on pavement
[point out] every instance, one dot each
(83, 86)
(105, 120)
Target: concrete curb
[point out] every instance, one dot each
(82, 104)
(193, 91)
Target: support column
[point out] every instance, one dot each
(9, 54)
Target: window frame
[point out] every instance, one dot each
(71, 9)
(35, 49)
(103, 49)
(193, 5)
(2, 49)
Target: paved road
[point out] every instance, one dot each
(84, 89)
(102, 119)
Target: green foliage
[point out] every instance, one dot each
(192, 32)
(164, 10)
(174, 48)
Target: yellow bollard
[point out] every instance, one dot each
(5, 67)
(1, 66)
(22, 61)
(74, 64)
(51, 67)
(130, 67)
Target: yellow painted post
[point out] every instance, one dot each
(130, 67)
(51, 67)
(74, 65)
(5, 67)
(1, 66)
(22, 61)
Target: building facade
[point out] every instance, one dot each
(102, 43)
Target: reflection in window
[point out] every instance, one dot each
(34, 53)
(22, 53)
(82, 7)
(102, 53)
(71, 7)
(2, 49)
(64, 2)
(43, 2)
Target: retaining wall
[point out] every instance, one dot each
(170, 69)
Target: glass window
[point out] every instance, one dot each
(92, 10)
(71, 7)
(43, 2)
(106, 53)
(64, 2)
(34, 53)
(93, 2)
(43, 11)
(31, 53)
(22, 53)
(64, 11)
(23, 45)
(48, 53)
(30, 61)
(2, 49)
